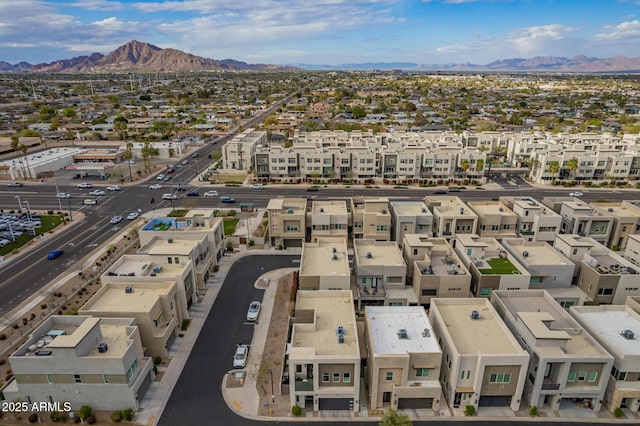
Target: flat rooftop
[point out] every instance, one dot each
(170, 246)
(46, 156)
(299, 205)
(581, 209)
(113, 297)
(410, 208)
(385, 321)
(449, 206)
(487, 335)
(491, 208)
(618, 209)
(610, 264)
(575, 240)
(332, 308)
(538, 253)
(134, 265)
(318, 258)
(330, 207)
(383, 253)
(607, 322)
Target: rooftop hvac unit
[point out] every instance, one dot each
(424, 210)
(500, 209)
(369, 255)
(475, 315)
(402, 334)
(384, 211)
(334, 250)
(627, 334)
(157, 268)
(335, 256)
(426, 333)
(321, 210)
(128, 289)
(290, 210)
(461, 210)
(340, 338)
(102, 347)
(525, 254)
(169, 240)
(610, 210)
(340, 330)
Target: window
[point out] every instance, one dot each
(325, 377)
(605, 291)
(346, 377)
(485, 292)
(415, 252)
(169, 260)
(298, 368)
(389, 375)
(468, 374)
(132, 370)
(76, 378)
(593, 375)
(422, 372)
(582, 376)
(429, 292)
(336, 377)
(500, 378)
(176, 260)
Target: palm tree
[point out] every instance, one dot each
(479, 164)
(128, 156)
(15, 145)
(120, 125)
(572, 165)
(464, 166)
(23, 148)
(553, 167)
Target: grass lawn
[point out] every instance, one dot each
(500, 267)
(230, 225)
(178, 213)
(48, 223)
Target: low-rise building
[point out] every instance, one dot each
(324, 265)
(410, 217)
(83, 360)
(239, 152)
(632, 252)
(451, 216)
(549, 269)
(287, 221)
(574, 247)
(482, 363)
(403, 358)
(495, 219)
(626, 221)
(567, 363)
(328, 218)
(535, 221)
(371, 218)
(490, 265)
(615, 327)
(580, 218)
(324, 354)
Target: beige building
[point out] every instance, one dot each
(567, 363)
(578, 217)
(410, 217)
(403, 359)
(328, 218)
(632, 252)
(626, 221)
(83, 360)
(575, 247)
(615, 327)
(324, 352)
(153, 305)
(549, 269)
(238, 153)
(287, 221)
(324, 265)
(536, 222)
(482, 363)
(451, 216)
(371, 218)
(495, 219)
(435, 268)
(380, 274)
(490, 265)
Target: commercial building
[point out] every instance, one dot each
(371, 218)
(83, 360)
(451, 217)
(324, 352)
(287, 221)
(568, 366)
(495, 219)
(324, 265)
(410, 217)
(33, 166)
(403, 359)
(328, 218)
(482, 363)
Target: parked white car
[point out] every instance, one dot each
(133, 215)
(257, 186)
(576, 194)
(254, 311)
(240, 357)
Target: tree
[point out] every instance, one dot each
(392, 418)
(572, 165)
(464, 166)
(553, 167)
(128, 156)
(15, 145)
(23, 149)
(147, 152)
(479, 164)
(120, 125)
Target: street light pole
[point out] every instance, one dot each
(59, 202)
(70, 215)
(273, 395)
(29, 218)
(19, 202)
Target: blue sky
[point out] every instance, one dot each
(324, 31)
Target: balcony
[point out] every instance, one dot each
(527, 232)
(304, 385)
(550, 386)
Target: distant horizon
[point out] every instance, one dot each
(323, 32)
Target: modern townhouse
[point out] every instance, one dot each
(83, 360)
(626, 221)
(451, 216)
(471, 164)
(324, 265)
(495, 219)
(615, 327)
(403, 359)
(324, 352)
(482, 363)
(410, 217)
(276, 162)
(535, 222)
(491, 266)
(434, 269)
(371, 218)
(578, 217)
(328, 218)
(287, 221)
(568, 367)
(632, 252)
(380, 274)
(154, 306)
(239, 152)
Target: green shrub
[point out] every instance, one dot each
(57, 417)
(618, 412)
(185, 324)
(116, 417)
(91, 419)
(33, 418)
(231, 213)
(157, 360)
(533, 411)
(469, 410)
(296, 410)
(251, 243)
(127, 414)
(85, 412)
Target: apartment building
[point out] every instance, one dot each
(535, 222)
(287, 221)
(632, 252)
(324, 355)
(626, 221)
(575, 247)
(549, 269)
(328, 218)
(380, 274)
(154, 306)
(491, 266)
(495, 219)
(324, 265)
(83, 360)
(410, 217)
(615, 328)
(403, 359)
(239, 152)
(482, 363)
(451, 216)
(568, 367)
(277, 162)
(580, 218)
(371, 218)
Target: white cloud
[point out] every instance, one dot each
(101, 5)
(624, 30)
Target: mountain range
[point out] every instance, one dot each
(145, 57)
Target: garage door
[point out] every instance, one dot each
(293, 242)
(336, 403)
(407, 403)
(495, 401)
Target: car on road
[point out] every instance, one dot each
(257, 186)
(454, 189)
(114, 188)
(227, 200)
(155, 186)
(441, 192)
(194, 193)
(85, 185)
(181, 189)
(90, 202)
(63, 195)
(171, 170)
(240, 356)
(576, 194)
(185, 162)
(116, 219)
(167, 178)
(312, 189)
(169, 197)
(254, 311)
(211, 194)
(195, 155)
(97, 193)
(160, 176)
(133, 215)
(16, 184)
(54, 254)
